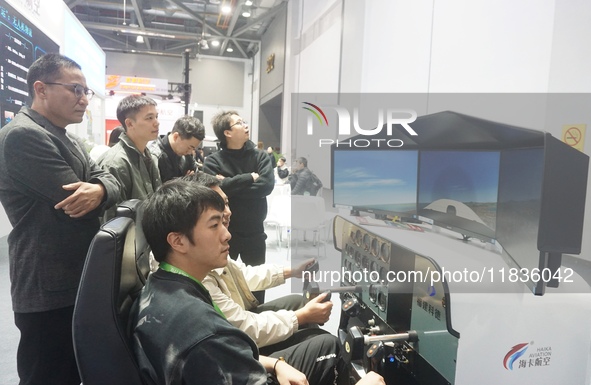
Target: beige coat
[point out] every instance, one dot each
(231, 289)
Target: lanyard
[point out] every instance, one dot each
(171, 269)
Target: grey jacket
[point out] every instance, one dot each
(128, 165)
(47, 248)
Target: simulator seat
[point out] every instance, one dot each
(133, 209)
(111, 280)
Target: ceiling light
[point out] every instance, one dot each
(226, 9)
(135, 32)
(230, 49)
(139, 39)
(203, 44)
(246, 14)
(248, 3)
(215, 43)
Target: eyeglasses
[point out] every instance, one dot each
(243, 123)
(79, 89)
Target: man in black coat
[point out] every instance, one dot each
(175, 151)
(53, 194)
(247, 178)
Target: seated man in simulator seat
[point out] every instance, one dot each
(179, 334)
(273, 325)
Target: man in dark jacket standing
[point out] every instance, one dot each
(53, 194)
(302, 180)
(130, 161)
(247, 178)
(175, 151)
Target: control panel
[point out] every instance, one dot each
(397, 321)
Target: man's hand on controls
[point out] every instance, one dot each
(315, 311)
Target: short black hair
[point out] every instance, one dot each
(130, 105)
(48, 69)
(189, 127)
(221, 123)
(175, 208)
(203, 179)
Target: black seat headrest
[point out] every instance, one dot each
(133, 209)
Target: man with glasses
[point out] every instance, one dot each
(129, 160)
(53, 194)
(175, 151)
(247, 178)
(79, 89)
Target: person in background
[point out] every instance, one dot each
(175, 150)
(281, 171)
(179, 334)
(272, 156)
(199, 158)
(53, 195)
(277, 153)
(98, 150)
(130, 160)
(247, 178)
(274, 325)
(302, 180)
(114, 136)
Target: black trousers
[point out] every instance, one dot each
(319, 359)
(45, 354)
(252, 250)
(305, 332)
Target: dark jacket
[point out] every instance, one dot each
(273, 160)
(301, 182)
(137, 173)
(247, 198)
(170, 164)
(47, 248)
(282, 173)
(178, 337)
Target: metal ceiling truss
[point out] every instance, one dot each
(170, 27)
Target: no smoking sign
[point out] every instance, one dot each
(574, 135)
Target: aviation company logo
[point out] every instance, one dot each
(519, 357)
(402, 117)
(514, 354)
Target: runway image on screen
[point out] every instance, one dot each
(459, 190)
(384, 180)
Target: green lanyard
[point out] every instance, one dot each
(171, 269)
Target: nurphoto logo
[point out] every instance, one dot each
(392, 117)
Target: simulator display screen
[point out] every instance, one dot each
(22, 43)
(458, 190)
(384, 180)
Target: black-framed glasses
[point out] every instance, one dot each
(79, 89)
(243, 123)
